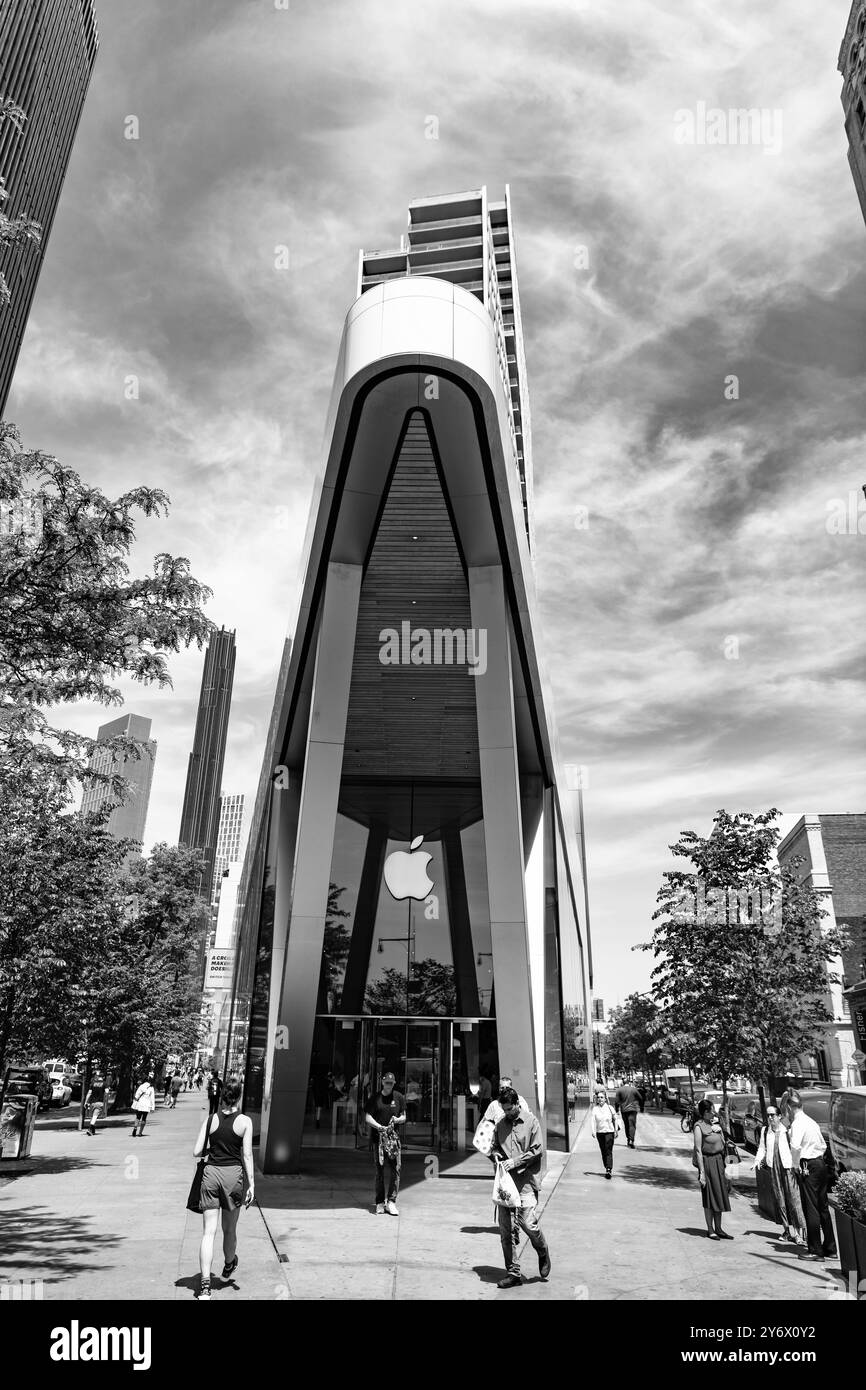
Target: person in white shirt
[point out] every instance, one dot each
(604, 1125)
(144, 1101)
(774, 1153)
(495, 1110)
(807, 1155)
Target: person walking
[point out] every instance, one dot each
(94, 1101)
(605, 1126)
(228, 1183)
(495, 1111)
(774, 1152)
(143, 1102)
(214, 1090)
(628, 1103)
(807, 1157)
(385, 1110)
(176, 1084)
(709, 1159)
(518, 1144)
(166, 1087)
(571, 1095)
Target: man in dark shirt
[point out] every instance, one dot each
(385, 1110)
(628, 1102)
(518, 1143)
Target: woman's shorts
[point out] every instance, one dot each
(222, 1187)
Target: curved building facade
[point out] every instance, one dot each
(413, 895)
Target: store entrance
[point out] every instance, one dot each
(412, 1051)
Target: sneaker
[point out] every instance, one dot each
(203, 1295)
(510, 1281)
(380, 1208)
(391, 1208)
(229, 1269)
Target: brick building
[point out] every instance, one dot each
(833, 848)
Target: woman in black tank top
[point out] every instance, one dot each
(228, 1183)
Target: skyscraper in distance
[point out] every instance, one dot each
(47, 52)
(852, 65)
(199, 824)
(128, 819)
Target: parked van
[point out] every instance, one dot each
(848, 1128)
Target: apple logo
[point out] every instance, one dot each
(406, 874)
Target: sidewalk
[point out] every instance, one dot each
(105, 1218)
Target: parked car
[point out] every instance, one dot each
(848, 1128)
(30, 1081)
(61, 1091)
(74, 1079)
(738, 1105)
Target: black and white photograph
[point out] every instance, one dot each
(432, 675)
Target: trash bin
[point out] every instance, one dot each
(16, 1126)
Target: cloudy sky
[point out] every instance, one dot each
(703, 624)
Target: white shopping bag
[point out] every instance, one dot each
(505, 1193)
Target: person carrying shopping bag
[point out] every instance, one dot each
(605, 1126)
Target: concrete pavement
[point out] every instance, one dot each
(105, 1218)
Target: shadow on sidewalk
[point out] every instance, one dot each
(25, 1167)
(653, 1177)
(49, 1244)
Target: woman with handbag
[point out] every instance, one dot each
(709, 1159)
(604, 1123)
(225, 1147)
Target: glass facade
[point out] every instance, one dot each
(424, 955)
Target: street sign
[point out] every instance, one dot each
(858, 1057)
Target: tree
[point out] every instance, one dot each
(743, 959)
(59, 877)
(143, 994)
(632, 1034)
(14, 231)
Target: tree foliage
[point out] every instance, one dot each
(743, 962)
(91, 957)
(74, 619)
(632, 1035)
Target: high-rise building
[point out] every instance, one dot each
(412, 895)
(228, 844)
(852, 65)
(199, 824)
(468, 240)
(47, 52)
(832, 854)
(127, 820)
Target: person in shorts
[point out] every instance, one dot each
(228, 1183)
